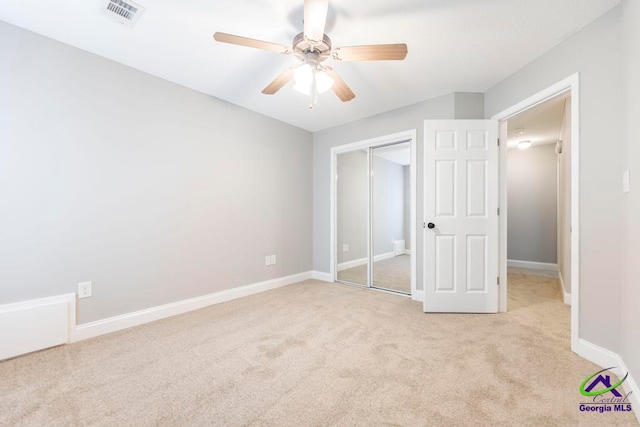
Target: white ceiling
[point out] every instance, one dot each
(542, 124)
(454, 45)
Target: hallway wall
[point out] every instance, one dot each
(596, 53)
(532, 204)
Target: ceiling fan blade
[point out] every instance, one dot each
(340, 88)
(257, 44)
(315, 19)
(279, 82)
(379, 52)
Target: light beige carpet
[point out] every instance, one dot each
(393, 273)
(316, 354)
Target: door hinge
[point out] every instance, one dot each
(498, 142)
(498, 211)
(498, 281)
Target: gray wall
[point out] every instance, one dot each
(564, 199)
(595, 52)
(468, 105)
(630, 315)
(351, 207)
(154, 192)
(532, 208)
(388, 204)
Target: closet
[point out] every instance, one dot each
(373, 206)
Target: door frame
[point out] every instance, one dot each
(570, 84)
(404, 136)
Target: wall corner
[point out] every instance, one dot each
(468, 105)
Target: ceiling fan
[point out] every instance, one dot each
(312, 47)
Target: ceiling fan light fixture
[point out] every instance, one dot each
(303, 89)
(523, 145)
(324, 81)
(312, 47)
(304, 77)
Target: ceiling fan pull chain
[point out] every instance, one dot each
(314, 89)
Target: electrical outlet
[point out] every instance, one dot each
(345, 247)
(267, 260)
(273, 259)
(84, 290)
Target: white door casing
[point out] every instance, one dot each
(461, 176)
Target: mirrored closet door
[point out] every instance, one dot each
(352, 217)
(373, 206)
(390, 211)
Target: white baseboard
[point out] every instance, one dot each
(531, 264)
(418, 296)
(33, 325)
(596, 354)
(608, 359)
(565, 295)
(630, 385)
(113, 324)
(407, 251)
(363, 261)
(321, 275)
(351, 264)
(382, 257)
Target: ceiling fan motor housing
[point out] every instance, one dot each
(304, 50)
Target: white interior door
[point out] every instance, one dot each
(461, 216)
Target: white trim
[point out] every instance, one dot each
(370, 249)
(321, 275)
(33, 325)
(502, 220)
(532, 264)
(566, 297)
(596, 354)
(384, 256)
(408, 135)
(386, 291)
(413, 173)
(538, 98)
(419, 296)
(407, 251)
(607, 359)
(362, 261)
(351, 264)
(572, 84)
(630, 385)
(117, 323)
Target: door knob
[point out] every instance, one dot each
(431, 225)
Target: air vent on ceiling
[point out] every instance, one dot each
(125, 12)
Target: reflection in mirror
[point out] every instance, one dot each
(391, 217)
(352, 212)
